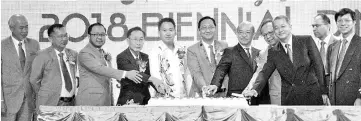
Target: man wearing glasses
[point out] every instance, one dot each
(95, 70)
(344, 62)
(275, 84)
(53, 71)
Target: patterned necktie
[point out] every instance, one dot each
(213, 57)
(323, 53)
(66, 76)
(341, 56)
(21, 55)
(289, 52)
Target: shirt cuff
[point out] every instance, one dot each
(123, 76)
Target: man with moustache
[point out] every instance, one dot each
(299, 64)
(274, 81)
(344, 61)
(53, 71)
(17, 55)
(132, 59)
(322, 31)
(239, 63)
(202, 57)
(167, 61)
(95, 71)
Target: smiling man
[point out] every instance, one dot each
(202, 57)
(344, 59)
(95, 70)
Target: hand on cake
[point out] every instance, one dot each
(250, 93)
(210, 90)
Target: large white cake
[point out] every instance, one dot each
(198, 102)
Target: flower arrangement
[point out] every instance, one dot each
(70, 59)
(108, 57)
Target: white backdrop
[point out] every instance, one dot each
(77, 15)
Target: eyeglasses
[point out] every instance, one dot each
(98, 35)
(344, 21)
(316, 25)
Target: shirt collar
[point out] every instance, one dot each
(134, 54)
(16, 41)
(326, 40)
(289, 42)
(244, 47)
(207, 45)
(349, 37)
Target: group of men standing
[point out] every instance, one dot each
(293, 70)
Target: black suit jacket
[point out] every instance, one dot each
(303, 80)
(237, 65)
(130, 90)
(343, 90)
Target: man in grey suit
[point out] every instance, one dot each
(53, 71)
(344, 62)
(95, 71)
(203, 56)
(274, 81)
(17, 54)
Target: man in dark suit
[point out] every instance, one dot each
(238, 62)
(132, 59)
(299, 64)
(344, 60)
(17, 55)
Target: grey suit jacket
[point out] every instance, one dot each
(198, 63)
(94, 87)
(15, 81)
(46, 78)
(343, 89)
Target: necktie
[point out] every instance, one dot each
(249, 56)
(289, 52)
(341, 56)
(66, 76)
(21, 56)
(213, 57)
(323, 54)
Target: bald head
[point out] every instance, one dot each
(245, 32)
(18, 25)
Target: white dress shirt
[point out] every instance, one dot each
(64, 92)
(206, 46)
(326, 40)
(16, 44)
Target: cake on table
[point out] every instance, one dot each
(198, 102)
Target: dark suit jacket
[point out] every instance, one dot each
(237, 65)
(302, 80)
(130, 90)
(343, 90)
(15, 81)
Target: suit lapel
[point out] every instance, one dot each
(131, 58)
(13, 54)
(333, 59)
(255, 54)
(203, 53)
(243, 54)
(348, 56)
(55, 61)
(297, 52)
(72, 65)
(97, 54)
